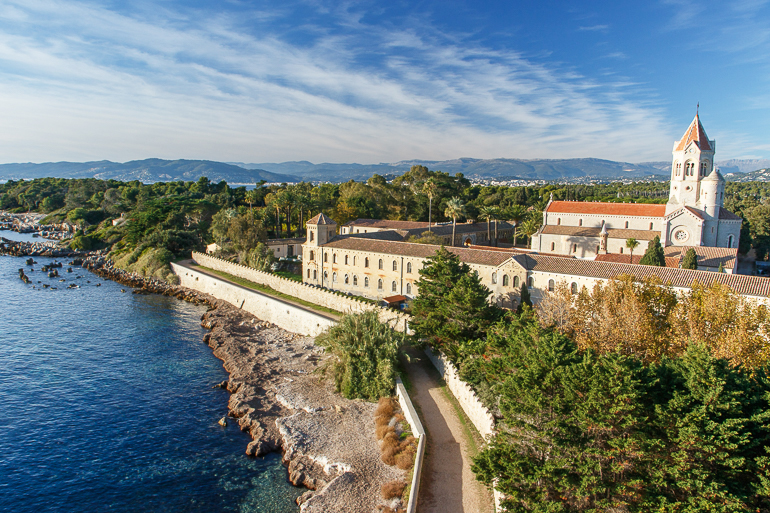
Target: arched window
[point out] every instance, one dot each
(355, 280)
(354, 260)
(326, 276)
(621, 250)
(558, 221)
(315, 274)
(505, 280)
(334, 258)
(730, 241)
(347, 279)
(553, 246)
(574, 248)
(515, 281)
(380, 264)
(580, 222)
(531, 282)
(573, 288)
(652, 225)
(366, 282)
(326, 257)
(308, 272)
(366, 262)
(409, 267)
(550, 285)
(626, 225)
(408, 288)
(312, 236)
(393, 287)
(494, 278)
(379, 284)
(395, 266)
(312, 255)
(346, 260)
(334, 277)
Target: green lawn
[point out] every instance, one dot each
(291, 276)
(271, 291)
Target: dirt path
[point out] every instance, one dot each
(448, 485)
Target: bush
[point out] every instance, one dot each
(81, 242)
(393, 489)
(365, 352)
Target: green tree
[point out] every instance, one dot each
(487, 213)
(455, 208)
(632, 244)
(654, 254)
(429, 189)
(524, 297)
(426, 237)
(364, 352)
(452, 307)
(690, 260)
(260, 258)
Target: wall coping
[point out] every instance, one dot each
(414, 422)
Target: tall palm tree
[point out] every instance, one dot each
(631, 244)
(496, 213)
(429, 189)
(454, 208)
(530, 226)
(515, 214)
(487, 212)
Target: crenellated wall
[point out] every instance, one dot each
(316, 295)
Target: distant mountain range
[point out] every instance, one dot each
(760, 175)
(155, 170)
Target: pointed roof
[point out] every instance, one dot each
(715, 175)
(695, 133)
(321, 219)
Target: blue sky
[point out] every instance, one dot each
(379, 81)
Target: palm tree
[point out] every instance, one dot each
(430, 190)
(454, 208)
(515, 214)
(487, 213)
(530, 226)
(631, 244)
(496, 215)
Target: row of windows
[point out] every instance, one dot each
(506, 280)
(580, 223)
(689, 169)
(573, 288)
(380, 284)
(380, 263)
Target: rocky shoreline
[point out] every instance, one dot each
(30, 223)
(278, 397)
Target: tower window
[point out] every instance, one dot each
(308, 273)
(580, 222)
(312, 236)
(315, 274)
(553, 246)
(626, 225)
(558, 221)
(651, 226)
(366, 262)
(312, 255)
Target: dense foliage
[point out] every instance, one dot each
(654, 254)
(583, 431)
(365, 352)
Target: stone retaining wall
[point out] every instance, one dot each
(285, 315)
(419, 432)
(316, 295)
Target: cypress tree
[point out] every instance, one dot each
(524, 298)
(654, 254)
(690, 260)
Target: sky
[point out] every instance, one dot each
(370, 82)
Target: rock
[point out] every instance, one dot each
(221, 385)
(305, 497)
(223, 422)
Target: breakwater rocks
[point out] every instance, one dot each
(30, 223)
(37, 249)
(328, 442)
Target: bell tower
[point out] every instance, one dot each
(693, 161)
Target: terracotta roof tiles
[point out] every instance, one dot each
(321, 219)
(695, 133)
(608, 209)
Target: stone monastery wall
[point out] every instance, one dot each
(316, 295)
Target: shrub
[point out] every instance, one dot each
(393, 489)
(365, 352)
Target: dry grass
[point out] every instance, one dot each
(393, 450)
(386, 509)
(386, 408)
(393, 489)
(381, 431)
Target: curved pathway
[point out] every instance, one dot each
(447, 484)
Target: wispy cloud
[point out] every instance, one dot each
(594, 28)
(79, 81)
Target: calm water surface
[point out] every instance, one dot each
(106, 405)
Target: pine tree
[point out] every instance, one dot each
(452, 307)
(524, 298)
(654, 254)
(690, 260)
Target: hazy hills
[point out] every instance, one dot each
(148, 170)
(154, 170)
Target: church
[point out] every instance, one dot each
(693, 217)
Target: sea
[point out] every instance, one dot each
(106, 404)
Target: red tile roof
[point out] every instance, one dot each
(608, 209)
(707, 256)
(385, 223)
(727, 215)
(695, 133)
(321, 219)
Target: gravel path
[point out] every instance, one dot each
(448, 485)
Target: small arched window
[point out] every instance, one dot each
(346, 260)
(380, 266)
(550, 285)
(366, 282)
(379, 284)
(326, 276)
(308, 272)
(355, 280)
(312, 255)
(652, 225)
(626, 225)
(409, 267)
(326, 257)
(574, 248)
(730, 241)
(621, 250)
(393, 286)
(315, 274)
(516, 281)
(505, 280)
(366, 262)
(355, 259)
(573, 288)
(347, 279)
(408, 288)
(553, 246)
(395, 266)
(580, 222)
(558, 221)
(334, 258)
(334, 277)
(494, 278)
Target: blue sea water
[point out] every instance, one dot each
(106, 404)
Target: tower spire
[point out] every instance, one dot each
(697, 108)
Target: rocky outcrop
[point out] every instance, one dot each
(30, 223)
(37, 249)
